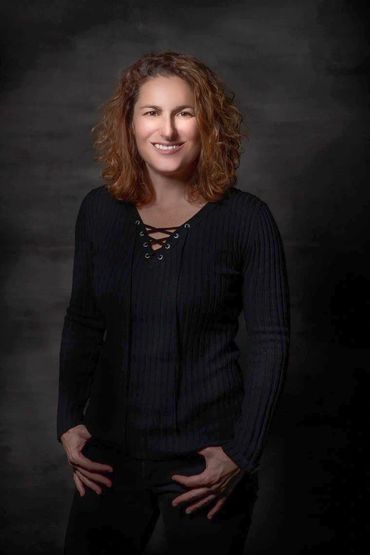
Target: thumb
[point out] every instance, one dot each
(204, 452)
(191, 481)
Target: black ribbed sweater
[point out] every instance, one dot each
(148, 359)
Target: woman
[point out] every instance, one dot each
(168, 253)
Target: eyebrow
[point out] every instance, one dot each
(174, 110)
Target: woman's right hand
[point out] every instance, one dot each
(85, 471)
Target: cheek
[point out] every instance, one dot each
(195, 141)
(194, 135)
(142, 130)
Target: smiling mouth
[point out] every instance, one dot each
(167, 148)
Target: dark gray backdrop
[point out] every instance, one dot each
(299, 71)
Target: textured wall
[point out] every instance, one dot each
(298, 70)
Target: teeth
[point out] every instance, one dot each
(163, 147)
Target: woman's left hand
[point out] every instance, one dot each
(216, 481)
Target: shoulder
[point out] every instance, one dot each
(245, 206)
(96, 207)
(98, 202)
(254, 221)
(245, 199)
(95, 196)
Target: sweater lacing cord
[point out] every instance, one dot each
(178, 370)
(161, 241)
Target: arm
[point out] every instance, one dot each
(267, 317)
(82, 333)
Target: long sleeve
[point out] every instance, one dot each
(267, 316)
(82, 333)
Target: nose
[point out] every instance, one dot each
(168, 127)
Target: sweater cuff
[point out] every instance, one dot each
(67, 420)
(239, 458)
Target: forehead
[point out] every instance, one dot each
(165, 88)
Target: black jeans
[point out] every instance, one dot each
(122, 518)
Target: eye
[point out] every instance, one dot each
(185, 112)
(150, 112)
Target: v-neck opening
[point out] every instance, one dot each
(174, 237)
(189, 221)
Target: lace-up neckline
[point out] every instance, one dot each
(173, 237)
(160, 241)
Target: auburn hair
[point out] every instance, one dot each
(219, 122)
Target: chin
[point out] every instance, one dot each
(167, 167)
(168, 171)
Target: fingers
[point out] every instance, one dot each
(95, 477)
(201, 503)
(221, 499)
(190, 496)
(79, 485)
(89, 473)
(87, 481)
(84, 462)
(216, 489)
(217, 507)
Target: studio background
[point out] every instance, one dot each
(299, 72)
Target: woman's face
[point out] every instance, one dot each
(164, 114)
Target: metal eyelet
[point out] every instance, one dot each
(160, 256)
(186, 225)
(147, 255)
(145, 244)
(176, 235)
(167, 246)
(137, 222)
(141, 233)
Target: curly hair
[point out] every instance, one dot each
(219, 122)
